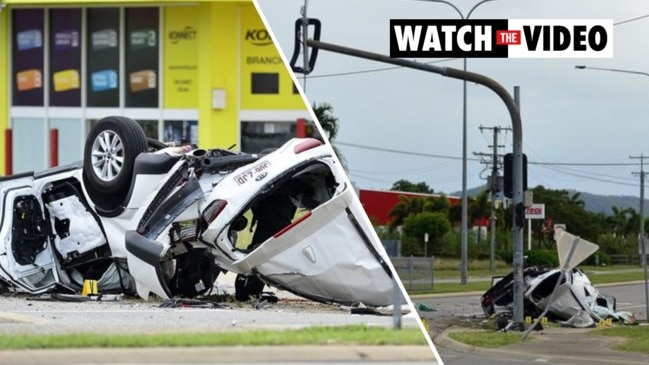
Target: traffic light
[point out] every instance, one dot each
(509, 174)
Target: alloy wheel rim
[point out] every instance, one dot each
(107, 155)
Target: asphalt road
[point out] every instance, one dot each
(20, 315)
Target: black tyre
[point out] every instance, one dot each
(247, 287)
(110, 151)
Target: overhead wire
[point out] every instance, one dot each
(553, 166)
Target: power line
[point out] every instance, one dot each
(631, 20)
(348, 73)
(411, 153)
(389, 150)
(587, 176)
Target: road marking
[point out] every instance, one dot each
(631, 306)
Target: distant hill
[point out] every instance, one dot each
(594, 203)
(603, 203)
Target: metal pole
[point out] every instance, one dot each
(519, 219)
(642, 249)
(432, 272)
(426, 245)
(517, 131)
(529, 235)
(396, 300)
(641, 241)
(464, 248)
(305, 38)
(494, 191)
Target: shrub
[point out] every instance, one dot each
(601, 258)
(507, 256)
(546, 258)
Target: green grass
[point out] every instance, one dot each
(454, 288)
(588, 269)
(318, 335)
(612, 277)
(486, 339)
(449, 274)
(597, 275)
(637, 338)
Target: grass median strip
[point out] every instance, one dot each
(319, 335)
(637, 338)
(597, 275)
(486, 339)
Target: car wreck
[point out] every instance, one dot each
(565, 293)
(140, 217)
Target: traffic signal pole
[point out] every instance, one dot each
(517, 129)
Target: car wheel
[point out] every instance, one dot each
(247, 286)
(110, 151)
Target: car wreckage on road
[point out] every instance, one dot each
(569, 298)
(141, 217)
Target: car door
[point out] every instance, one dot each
(328, 254)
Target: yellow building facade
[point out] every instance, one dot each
(204, 72)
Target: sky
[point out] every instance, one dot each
(580, 127)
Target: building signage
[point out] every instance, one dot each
(535, 211)
(27, 57)
(65, 57)
(181, 58)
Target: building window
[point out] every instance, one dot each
(258, 136)
(102, 57)
(265, 83)
(28, 54)
(65, 57)
(142, 48)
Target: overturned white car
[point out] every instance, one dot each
(139, 216)
(564, 293)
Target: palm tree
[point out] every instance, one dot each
(407, 206)
(330, 125)
(328, 122)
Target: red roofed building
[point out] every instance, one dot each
(379, 203)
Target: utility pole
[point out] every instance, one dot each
(641, 247)
(494, 187)
(641, 242)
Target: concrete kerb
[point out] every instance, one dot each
(541, 348)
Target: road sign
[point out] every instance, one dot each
(535, 211)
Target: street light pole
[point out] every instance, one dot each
(465, 203)
(643, 249)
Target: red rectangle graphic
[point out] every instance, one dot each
(507, 37)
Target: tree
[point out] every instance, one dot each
(562, 207)
(480, 206)
(436, 224)
(330, 125)
(405, 185)
(326, 118)
(407, 206)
